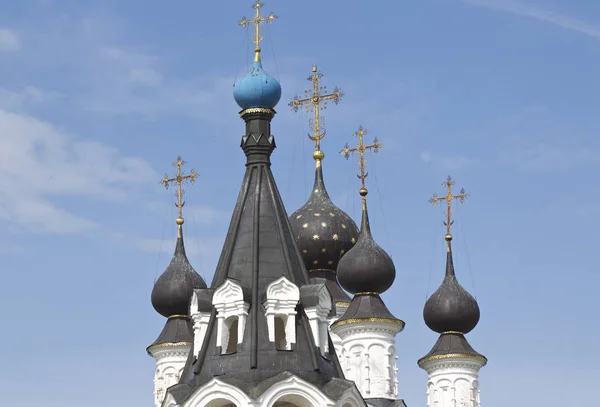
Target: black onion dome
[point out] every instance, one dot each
(451, 308)
(323, 232)
(366, 268)
(173, 290)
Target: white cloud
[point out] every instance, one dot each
(9, 41)
(521, 9)
(29, 95)
(40, 163)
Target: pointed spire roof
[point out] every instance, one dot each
(259, 249)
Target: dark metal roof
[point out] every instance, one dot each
(368, 307)
(329, 278)
(452, 344)
(173, 290)
(323, 232)
(259, 249)
(177, 329)
(451, 307)
(366, 267)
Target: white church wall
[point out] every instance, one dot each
(453, 382)
(170, 361)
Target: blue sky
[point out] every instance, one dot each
(97, 98)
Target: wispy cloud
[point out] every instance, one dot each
(525, 10)
(41, 162)
(9, 41)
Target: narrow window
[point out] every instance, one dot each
(230, 336)
(280, 335)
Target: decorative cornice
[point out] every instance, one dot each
(363, 320)
(448, 356)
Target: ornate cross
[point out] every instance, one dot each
(179, 179)
(448, 199)
(317, 100)
(361, 152)
(257, 21)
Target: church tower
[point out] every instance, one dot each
(368, 329)
(452, 364)
(261, 337)
(171, 297)
(323, 232)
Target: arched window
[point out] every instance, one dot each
(232, 312)
(280, 335)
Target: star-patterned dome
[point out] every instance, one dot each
(323, 232)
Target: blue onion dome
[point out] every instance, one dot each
(451, 308)
(257, 88)
(366, 268)
(173, 290)
(323, 232)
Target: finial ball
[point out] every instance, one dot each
(179, 221)
(318, 155)
(363, 192)
(448, 237)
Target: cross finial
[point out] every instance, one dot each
(316, 99)
(179, 179)
(257, 21)
(361, 148)
(448, 199)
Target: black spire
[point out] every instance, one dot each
(366, 268)
(173, 290)
(172, 293)
(451, 307)
(451, 311)
(324, 233)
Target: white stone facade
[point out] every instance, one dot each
(368, 356)
(453, 381)
(170, 360)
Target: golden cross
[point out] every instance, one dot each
(448, 199)
(313, 99)
(257, 21)
(361, 152)
(179, 179)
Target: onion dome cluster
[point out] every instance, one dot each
(367, 268)
(451, 309)
(323, 232)
(257, 89)
(173, 290)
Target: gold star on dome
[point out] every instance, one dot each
(342, 251)
(331, 214)
(324, 250)
(335, 236)
(343, 226)
(353, 240)
(317, 214)
(315, 237)
(323, 224)
(330, 262)
(304, 251)
(298, 217)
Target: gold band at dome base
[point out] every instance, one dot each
(367, 293)
(480, 358)
(257, 110)
(342, 303)
(178, 316)
(360, 320)
(452, 333)
(168, 345)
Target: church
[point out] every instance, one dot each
(293, 315)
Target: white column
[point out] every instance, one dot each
(369, 353)
(453, 380)
(340, 309)
(170, 361)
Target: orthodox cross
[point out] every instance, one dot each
(448, 199)
(316, 98)
(361, 148)
(179, 179)
(257, 21)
